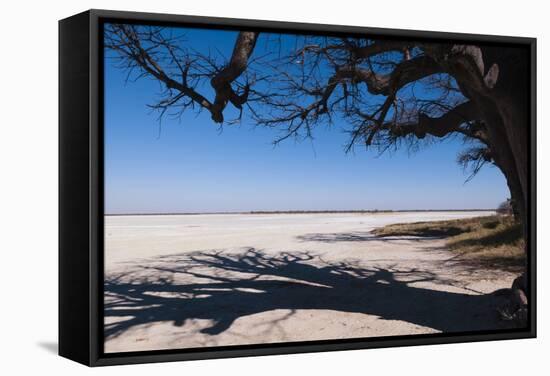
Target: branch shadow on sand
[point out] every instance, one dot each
(223, 287)
(359, 236)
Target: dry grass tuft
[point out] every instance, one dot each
(494, 241)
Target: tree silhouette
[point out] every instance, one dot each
(391, 92)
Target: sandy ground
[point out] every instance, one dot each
(213, 280)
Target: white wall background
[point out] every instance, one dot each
(28, 185)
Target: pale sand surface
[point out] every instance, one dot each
(185, 281)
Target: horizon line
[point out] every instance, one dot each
(371, 211)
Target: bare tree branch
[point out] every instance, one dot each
(141, 48)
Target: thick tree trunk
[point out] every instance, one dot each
(504, 148)
(511, 98)
(496, 79)
(507, 114)
(501, 94)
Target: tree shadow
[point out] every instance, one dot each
(358, 236)
(224, 287)
(426, 232)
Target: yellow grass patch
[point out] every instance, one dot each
(493, 240)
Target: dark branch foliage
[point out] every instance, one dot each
(474, 158)
(160, 53)
(387, 92)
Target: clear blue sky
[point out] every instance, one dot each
(191, 167)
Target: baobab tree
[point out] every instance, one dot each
(390, 93)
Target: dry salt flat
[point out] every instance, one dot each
(188, 281)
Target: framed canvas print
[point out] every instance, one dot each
(237, 187)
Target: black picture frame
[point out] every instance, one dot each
(81, 191)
